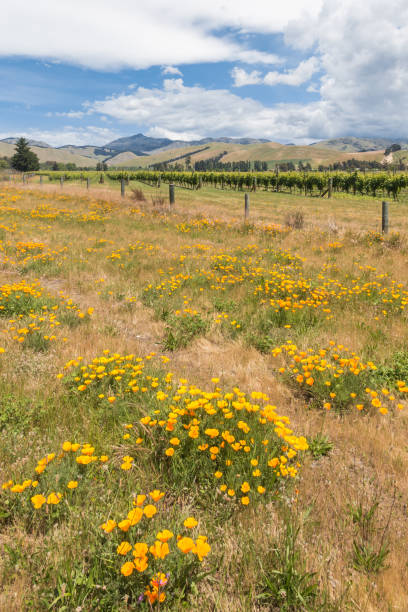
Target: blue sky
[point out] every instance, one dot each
(88, 72)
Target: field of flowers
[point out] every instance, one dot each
(198, 412)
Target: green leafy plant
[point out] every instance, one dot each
(370, 548)
(319, 446)
(287, 585)
(180, 330)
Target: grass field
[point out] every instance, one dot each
(198, 410)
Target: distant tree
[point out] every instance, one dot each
(24, 159)
(392, 149)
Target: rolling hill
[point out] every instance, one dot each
(51, 154)
(359, 145)
(143, 151)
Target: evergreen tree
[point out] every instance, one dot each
(24, 159)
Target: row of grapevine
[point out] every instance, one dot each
(308, 183)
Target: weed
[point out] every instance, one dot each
(396, 368)
(16, 414)
(158, 201)
(286, 585)
(319, 445)
(368, 560)
(138, 195)
(295, 220)
(370, 544)
(181, 329)
(37, 342)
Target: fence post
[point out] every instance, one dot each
(254, 184)
(87, 182)
(200, 182)
(41, 179)
(171, 195)
(384, 220)
(122, 187)
(246, 206)
(158, 181)
(330, 187)
(24, 179)
(62, 181)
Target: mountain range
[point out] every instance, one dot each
(140, 150)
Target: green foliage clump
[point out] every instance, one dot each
(24, 160)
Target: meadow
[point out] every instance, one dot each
(198, 411)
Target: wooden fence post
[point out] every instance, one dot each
(87, 182)
(330, 187)
(41, 179)
(24, 179)
(61, 181)
(122, 187)
(384, 220)
(171, 195)
(246, 206)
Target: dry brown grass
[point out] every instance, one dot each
(369, 459)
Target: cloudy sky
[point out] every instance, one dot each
(88, 71)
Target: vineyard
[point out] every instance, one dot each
(308, 183)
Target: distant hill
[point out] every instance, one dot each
(359, 145)
(33, 143)
(51, 154)
(127, 158)
(138, 144)
(143, 151)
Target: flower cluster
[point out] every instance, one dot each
(240, 440)
(336, 378)
(150, 548)
(67, 473)
(36, 315)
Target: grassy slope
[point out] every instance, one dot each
(353, 144)
(51, 154)
(270, 152)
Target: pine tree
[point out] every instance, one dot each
(24, 159)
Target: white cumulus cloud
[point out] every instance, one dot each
(104, 35)
(171, 70)
(299, 75)
(241, 77)
(295, 77)
(179, 111)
